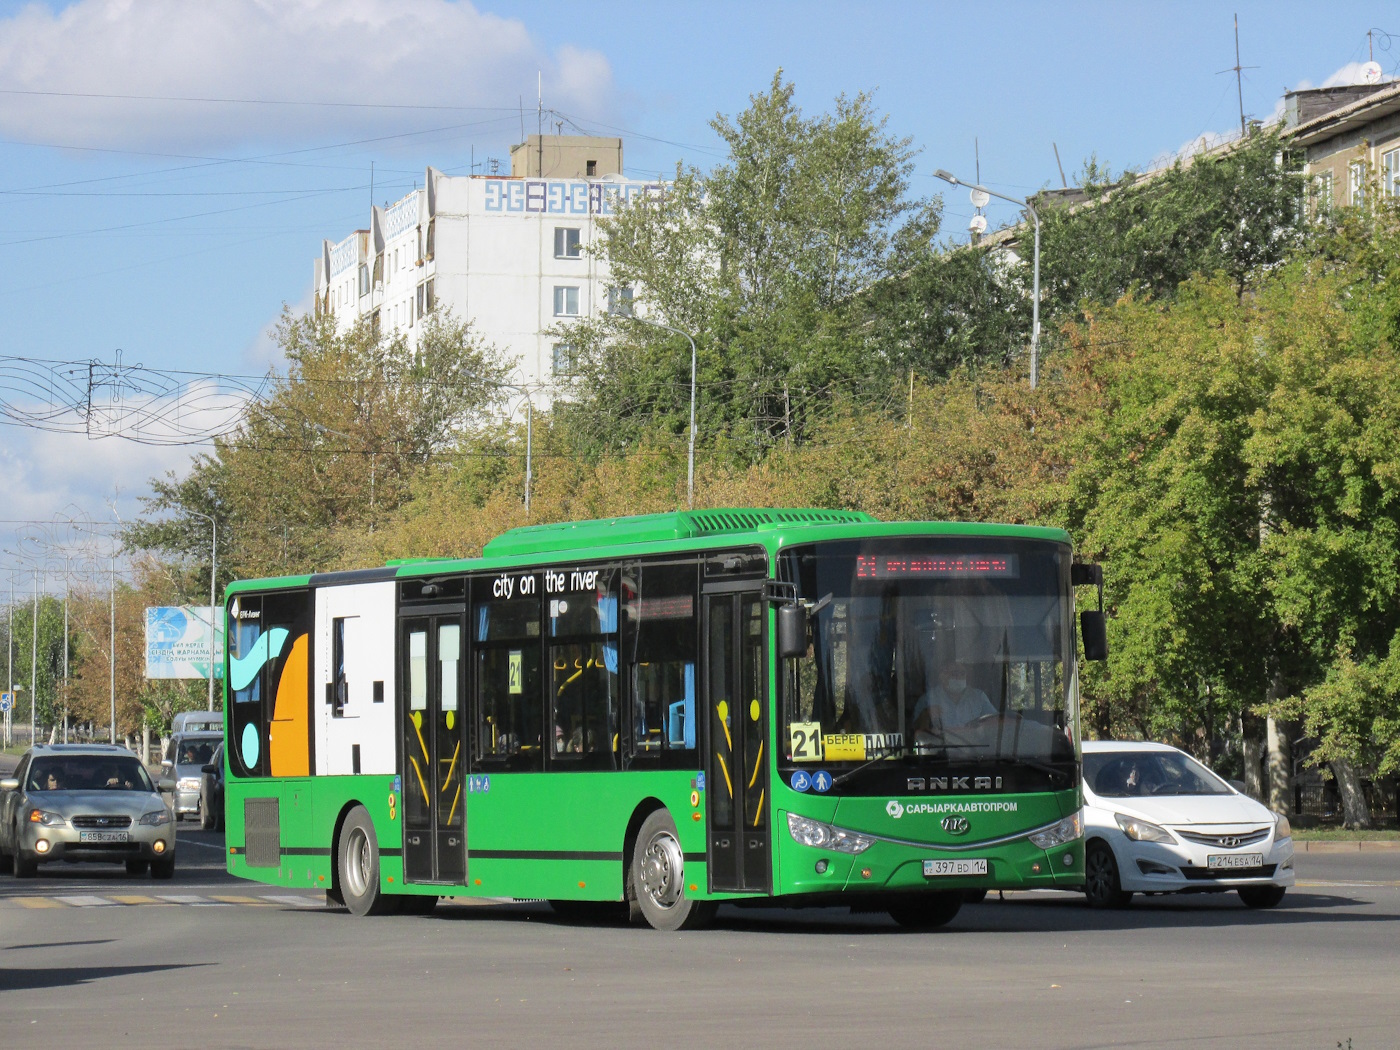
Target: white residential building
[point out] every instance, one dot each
(509, 253)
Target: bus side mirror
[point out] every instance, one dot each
(1094, 630)
(792, 631)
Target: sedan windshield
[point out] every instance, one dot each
(88, 773)
(1133, 774)
(936, 655)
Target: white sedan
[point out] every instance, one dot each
(1157, 821)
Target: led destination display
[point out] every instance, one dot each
(946, 566)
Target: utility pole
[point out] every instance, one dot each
(34, 664)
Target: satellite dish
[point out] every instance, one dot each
(1371, 72)
(978, 224)
(980, 198)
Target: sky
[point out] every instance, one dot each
(169, 169)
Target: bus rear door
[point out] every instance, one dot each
(434, 747)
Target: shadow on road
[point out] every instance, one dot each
(67, 976)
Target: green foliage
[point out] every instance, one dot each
(334, 446)
(1237, 212)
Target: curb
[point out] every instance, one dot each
(1347, 846)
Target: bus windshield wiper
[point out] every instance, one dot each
(880, 753)
(1033, 763)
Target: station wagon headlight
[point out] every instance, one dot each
(1142, 830)
(1066, 830)
(49, 820)
(827, 836)
(1282, 829)
(156, 818)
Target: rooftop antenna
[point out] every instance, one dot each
(539, 117)
(1063, 183)
(371, 185)
(1237, 69)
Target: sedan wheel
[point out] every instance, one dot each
(1262, 896)
(1102, 886)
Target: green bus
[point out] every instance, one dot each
(656, 714)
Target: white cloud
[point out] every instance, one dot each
(397, 52)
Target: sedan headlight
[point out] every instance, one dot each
(1142, 830)
(1282, 829)
(827, 836)
(188, 784)
(49, 820)
(1066, 830)
(156, 818)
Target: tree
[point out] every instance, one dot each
(332, 448)
(761, 260)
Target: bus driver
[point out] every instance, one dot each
(950, 703)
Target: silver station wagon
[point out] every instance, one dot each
(84, 802)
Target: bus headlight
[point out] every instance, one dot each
(1066, 830)
(827, 836)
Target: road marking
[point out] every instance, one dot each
(241, 900)
(80, 901)
(135, 898)
(1349, 885)
(36, 902)
(296, 901)
(186, 898)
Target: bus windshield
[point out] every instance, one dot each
(933, 660)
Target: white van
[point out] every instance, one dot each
(197, 722)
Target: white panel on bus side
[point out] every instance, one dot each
(367, 610)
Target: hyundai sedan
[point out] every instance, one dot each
(1157, 821)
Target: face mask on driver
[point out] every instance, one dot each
(956, 685)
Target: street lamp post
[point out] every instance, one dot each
(690, 461)
(213, 616)
(1035, 280)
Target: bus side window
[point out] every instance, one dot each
(509, 723)
(583, 675)
(662, 630)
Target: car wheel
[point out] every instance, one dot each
(7, 863)
(206, 819)
(163, 868)
(926, 911)
(357, 866)
(656, 878)
(219, 818)
(1262, 896)
(1102, 886)
(26, 867)
(137, 866)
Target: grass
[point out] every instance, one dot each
(1342, 835)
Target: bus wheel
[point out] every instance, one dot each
(358, 866)
(657, 874)
(926, 911)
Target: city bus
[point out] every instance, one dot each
(648, 716)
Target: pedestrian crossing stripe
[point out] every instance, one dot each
(80, 900)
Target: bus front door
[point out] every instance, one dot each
(737, 762)
(434, 749)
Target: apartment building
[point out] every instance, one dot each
(509, 253)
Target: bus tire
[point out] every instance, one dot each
(926, 911)
(657, 878)
(357, 866)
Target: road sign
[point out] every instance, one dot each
(7, 701)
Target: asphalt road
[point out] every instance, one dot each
(92, 958)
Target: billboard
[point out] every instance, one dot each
(177, 642)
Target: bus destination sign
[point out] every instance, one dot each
(946, 566)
